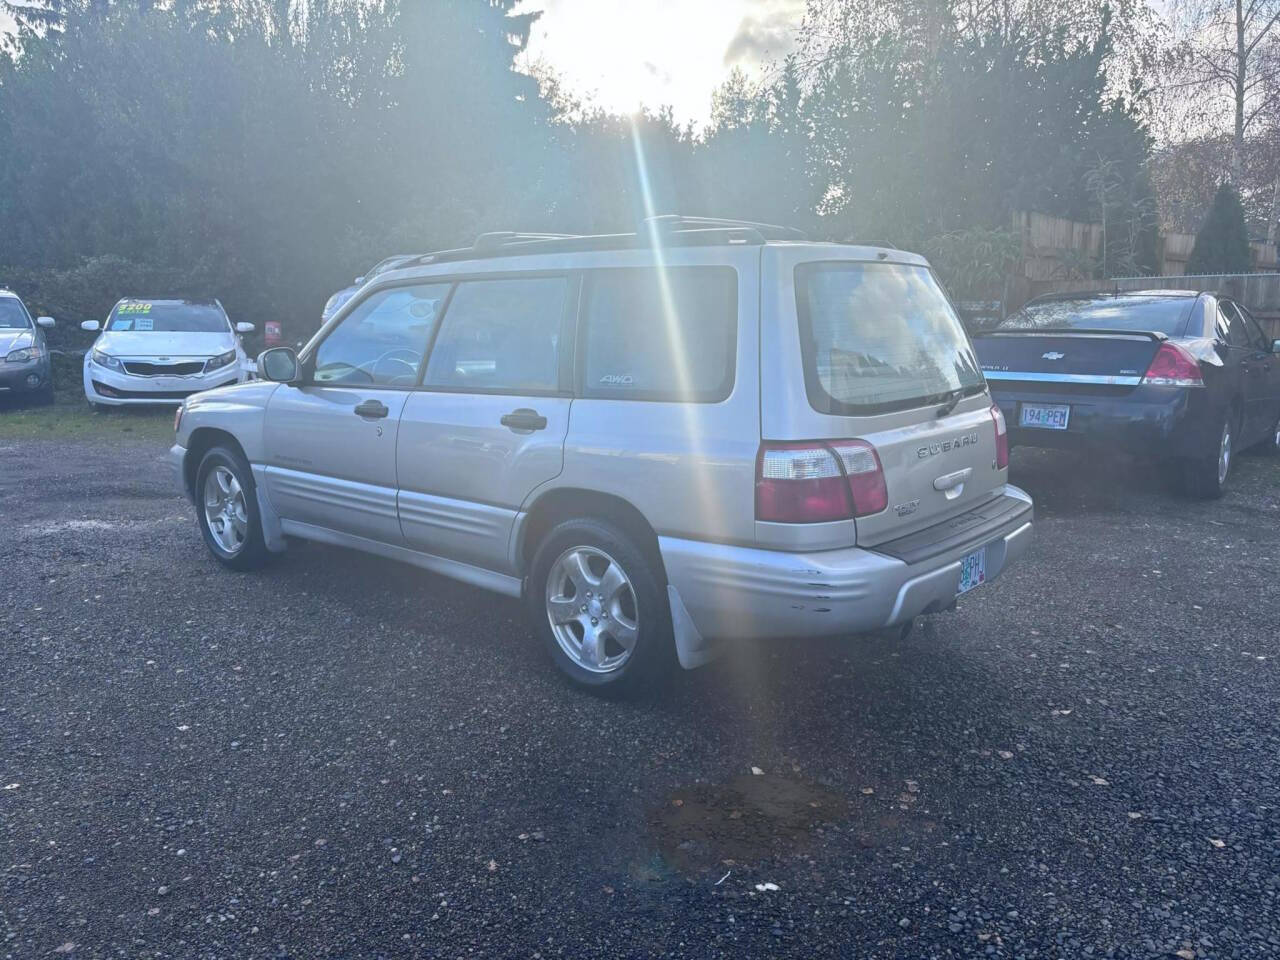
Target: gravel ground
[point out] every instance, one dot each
(343, 757)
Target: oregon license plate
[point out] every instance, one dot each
(1045, 416)
(973, 571)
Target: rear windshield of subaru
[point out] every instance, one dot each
(1166, 315)
(878, 337)
(168, 316)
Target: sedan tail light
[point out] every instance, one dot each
(818, 481)
(1002, 437)
(1174, 367)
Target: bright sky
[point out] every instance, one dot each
(623, 54)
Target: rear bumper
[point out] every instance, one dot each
(724, 592)
(1148, 421)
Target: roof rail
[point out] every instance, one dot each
(500, 238)
(671, 230)
(675, 223)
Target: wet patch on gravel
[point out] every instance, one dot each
(751, 818)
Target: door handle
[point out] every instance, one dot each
(524, 419)
(371, 410)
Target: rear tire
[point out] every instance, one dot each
(227, 510)
(599, 605)
(1206, 476)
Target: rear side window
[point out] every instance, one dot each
(667, 334)
(877, 337)
(501, 336)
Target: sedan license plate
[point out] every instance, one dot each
(1045, 416)
(973, 571)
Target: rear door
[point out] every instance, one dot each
(872, 350)
(1243, 353)
(1262, 377)
(487, 425)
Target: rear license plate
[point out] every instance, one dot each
(1045, 416)
(973, 571)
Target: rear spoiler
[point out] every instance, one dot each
(1153, 335)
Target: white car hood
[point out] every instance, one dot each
(149, 343)
(14, 340)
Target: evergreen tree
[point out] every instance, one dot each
(1222, 245)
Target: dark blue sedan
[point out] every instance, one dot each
(1180, 376)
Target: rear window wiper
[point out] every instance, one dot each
(950, 400)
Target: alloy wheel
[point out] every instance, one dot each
(1224, 455)
(591, 606)
(225, 511)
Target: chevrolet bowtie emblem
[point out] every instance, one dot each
(1053, 355)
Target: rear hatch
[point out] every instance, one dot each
(1086, 344)
(871, 351)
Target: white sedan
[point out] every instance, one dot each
(162, 351)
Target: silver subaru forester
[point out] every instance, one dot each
(662, 442)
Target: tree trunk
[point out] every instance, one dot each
(1237, 140)
(1275, 209)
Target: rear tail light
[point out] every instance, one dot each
(1174, 367)
(819, 481)
(1002, 437)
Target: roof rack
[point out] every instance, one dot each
(670, 230)
(767, 231)
(500, 238)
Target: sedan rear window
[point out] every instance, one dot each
(168, 316)
(1166, 315)
(878, 337)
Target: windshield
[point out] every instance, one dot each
(878, 337)
(13, 316)
(168, 316)
(1166, 315)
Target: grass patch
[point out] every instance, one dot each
(70, 418)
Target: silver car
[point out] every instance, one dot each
(662, 443)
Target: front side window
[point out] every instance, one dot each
(13, 316)
(167, 316)
(501, 336)
(660, 334)
(877, 337)
(381, 342)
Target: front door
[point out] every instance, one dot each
(488, 424)
(331, 441)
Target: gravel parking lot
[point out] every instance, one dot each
(343, 757)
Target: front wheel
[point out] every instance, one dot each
(1206, 476)
(1270, 445)
(600, 606)
(227, 510)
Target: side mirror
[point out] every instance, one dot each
(45, 322)
(279, 365)
(90, 325)
(244, 327)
